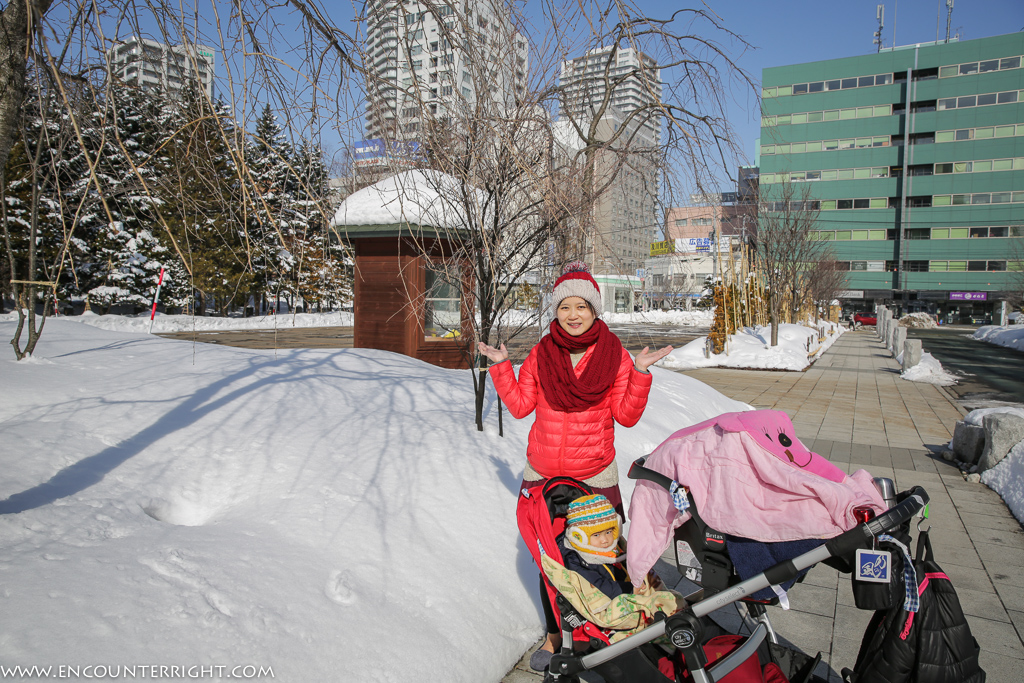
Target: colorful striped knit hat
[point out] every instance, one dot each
(587, 516)
(576, 280)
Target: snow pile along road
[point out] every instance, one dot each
(1007, 479)
(920, 320)
(330, 514)
(750, 348)
(929, 371)
(1011, 336)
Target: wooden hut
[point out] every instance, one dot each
(413, 295)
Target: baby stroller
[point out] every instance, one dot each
(675, 646)
(683, 638)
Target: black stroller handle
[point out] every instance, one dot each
(856, 537)
(847, 542)
(638, 471)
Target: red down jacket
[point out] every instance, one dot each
(579, 445)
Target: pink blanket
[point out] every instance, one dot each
(742, 488)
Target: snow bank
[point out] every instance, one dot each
(975, 417)
(1007, 479)
(1011, 336)
(682, 318)
(188, 323)
(929, 371)
(750, 348)
(331, 514)
(922, 320)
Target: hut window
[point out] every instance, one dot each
(442, 305)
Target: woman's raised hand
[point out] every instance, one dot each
(496, 355)
(647, 358)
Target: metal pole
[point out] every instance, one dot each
(156, 296)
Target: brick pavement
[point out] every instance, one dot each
(852, 407)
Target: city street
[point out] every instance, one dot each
(990, 374)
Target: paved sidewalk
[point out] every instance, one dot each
(852, 407)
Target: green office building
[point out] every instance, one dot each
(915, 158)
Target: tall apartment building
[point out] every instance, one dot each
(634, 77)
(627, 216)
(152, 65)
(915, 157)
(420, 67)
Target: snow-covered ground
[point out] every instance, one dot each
(188, 323)
(1010, 335)
(1007, 479)
(929, 370)
(682, 318)
(330, 514)
(977, 417)
(750, 348)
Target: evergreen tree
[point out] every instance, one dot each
(43, 164)
(201, 204)
(271, 223)
(320, 278)
(124, 257)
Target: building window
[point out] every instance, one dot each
(968, 101)
(442, 303)
(1009, 130)
(971, 68)
(822, 86)
(857, 203)
(978, 198)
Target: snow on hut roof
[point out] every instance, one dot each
(428, 198)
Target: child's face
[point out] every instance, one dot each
(603, 539)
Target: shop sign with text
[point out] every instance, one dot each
(968, 296)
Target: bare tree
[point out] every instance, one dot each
(823, 280)
(526, 158)
(1015, 283)
(787, 253)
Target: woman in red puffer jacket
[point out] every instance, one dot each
(578, 379)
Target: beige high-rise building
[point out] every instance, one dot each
(627, 216)
(153, 65)
(419, 65)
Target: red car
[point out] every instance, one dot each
(865, 319)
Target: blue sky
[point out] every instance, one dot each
(779, 33)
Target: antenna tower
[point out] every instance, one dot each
(880, 15)
(949, 16)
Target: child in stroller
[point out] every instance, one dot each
(590, 545)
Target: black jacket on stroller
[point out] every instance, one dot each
(934, 645)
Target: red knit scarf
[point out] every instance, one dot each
(565, 391)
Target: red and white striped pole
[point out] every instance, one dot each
(156, 296)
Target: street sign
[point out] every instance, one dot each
(640, 273)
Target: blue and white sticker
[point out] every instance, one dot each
(873, 565)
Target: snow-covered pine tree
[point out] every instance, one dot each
(270, 224)
(320, 276)
(124, 256)
(42, 165)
